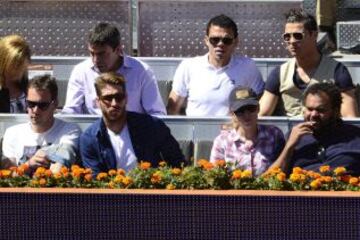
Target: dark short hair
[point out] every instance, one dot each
(222, 21)
(104, 34)
(45, 83)
(111, 78)
(332, 91)
(300, 16)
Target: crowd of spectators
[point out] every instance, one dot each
(124, 92)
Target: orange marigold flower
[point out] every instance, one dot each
(6, 173)
(297, 170)
(112, 172)
(316, 184)
(170, 186)
(176, 171)
(208, 166)
(274, 170)
(119, 179)
(40, 171)
(220, 163)
(88, 177)
(324, 169)
(74, 167)
(20, 171)
(145, 165)
(88, 171)
(246, 174)
(313, 174)
(339, 171)
(353, 181)
(236, 174)
(326, 179)
(42, 182)
(127, 181)
(162, 164)
(156, 177)
(101, 176)
(111, 184)
(64, 171)
(57, 175)
(48, 173)
(202, 162)
(294, 177)
(121, 171)
(281, 176)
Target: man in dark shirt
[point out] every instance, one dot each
(323, 139)
(287, 82)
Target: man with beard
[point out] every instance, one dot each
(45, 141)
(286, 83)
(205, 82)
(107, 55)
(121, 139)
(323, 139)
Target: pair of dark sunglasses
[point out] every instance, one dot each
(298, 36)
(41, 105)
(215, 40)
(249, 108)
(109, 98)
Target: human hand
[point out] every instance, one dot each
(298, 131)
(39, 160)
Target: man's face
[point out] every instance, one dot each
(104, 57)
(298, 40)
(41, 107)
(221, 43)
(112, 102)
(318, 110)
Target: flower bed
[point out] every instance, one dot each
(205, 175)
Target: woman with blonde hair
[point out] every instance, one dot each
(15, 57)
(247, 144)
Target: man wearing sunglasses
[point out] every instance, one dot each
(107, 55)
(204, 82)
(45, 141)
(286, 83)
(121, 139)
(248, 145)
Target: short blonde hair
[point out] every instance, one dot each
(111, 78)
(14, 51)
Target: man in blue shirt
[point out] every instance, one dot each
(121, 139)
(323, 139)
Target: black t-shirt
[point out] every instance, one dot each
(341, 76)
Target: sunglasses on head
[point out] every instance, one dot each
(215, 40)
(298, 36)
(109, 98)
(249, 108)
(41, 105)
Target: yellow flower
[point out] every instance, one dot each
(236, 174)
(176, 171)
(156, 177)
(111, 184)
(326, 179)
(112, 172)
(34, 182)
(40, 171)
(88, 177)
(246, 174)
(74, 167)
(281, 176)
(297, 170)
(42, 182)
(339, 171)
(324, 169)
(145, 165)
(127, 181)
(294, 177)
(313, 174)
(101, 176)
(121, 171)
(316, 184)
(57, 175)
(6, 173)
(118, 179)
(170, 186)
(353, 181)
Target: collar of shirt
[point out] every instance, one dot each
(125, 64)
(234, 136)
(205, 60)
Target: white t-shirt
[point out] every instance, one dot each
(123, 149)
(20, 140)
(207, 88)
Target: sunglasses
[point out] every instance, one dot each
(215, 40)
(41, 105)
(298, 36)
(249, 108)
(109, 98)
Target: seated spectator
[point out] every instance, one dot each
(14, 60)
(205, 82)
(107, 55)
(286, 83)
(323, 139)
(121, 139)
(248, 145)
(44, 141)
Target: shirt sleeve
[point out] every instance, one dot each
(150, 95)
(75, 98)
(217, 150)
(180, 80)
(258, 82)
(273, 82)
(343, 78)
(8, 146)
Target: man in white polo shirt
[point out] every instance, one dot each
(206, 81)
